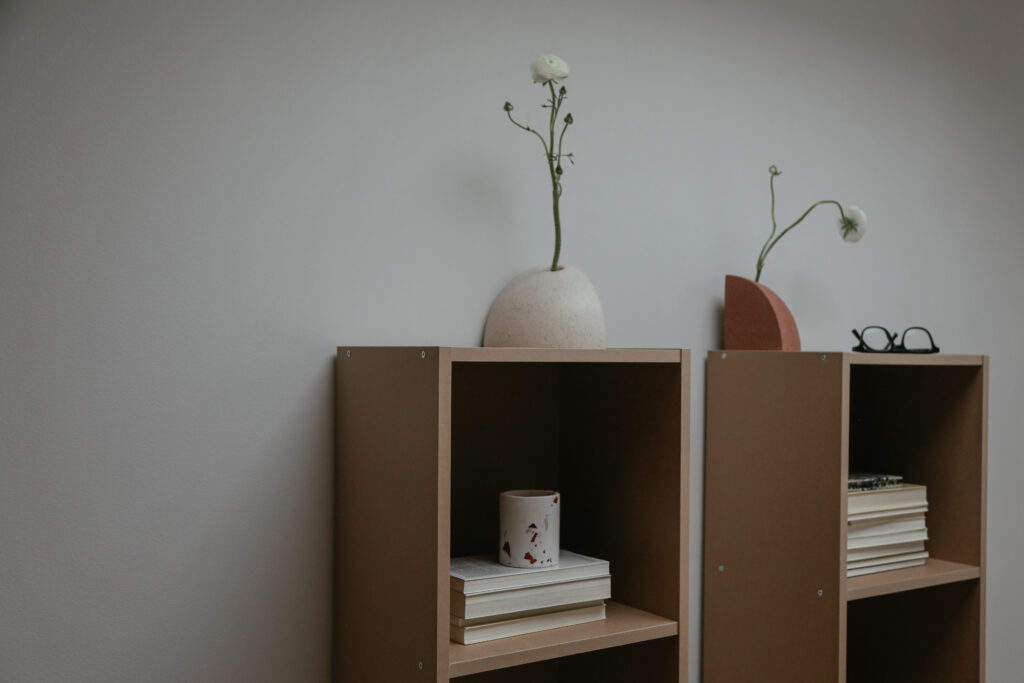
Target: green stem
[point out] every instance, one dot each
(556, 187)
(761, 257)
(771, 243)
(530, 130)
(558, 229)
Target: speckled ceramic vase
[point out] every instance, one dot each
(542, 308)
(529, 533)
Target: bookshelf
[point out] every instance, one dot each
(427, 438)
(783, 431)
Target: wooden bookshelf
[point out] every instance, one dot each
(783, 432)
(428, 437)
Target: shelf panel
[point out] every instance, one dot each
(913, 359)
(934, 573)
(622, 625)
(518, 355)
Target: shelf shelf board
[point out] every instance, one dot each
(913, 359)
(622, 625)
(933, 573)
(523, 355)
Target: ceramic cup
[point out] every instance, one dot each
(528, 536)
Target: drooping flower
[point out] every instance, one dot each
(549, 68)
(851, 222)
(852, 227)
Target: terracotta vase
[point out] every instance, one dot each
(756, 318)
(542, 308)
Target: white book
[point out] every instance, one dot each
(886, 539)
(480, 573)
(884, 551)
(497, 603)
(899, 497)
(879, 561)
(459, 621)
(885, 525)
(884, 568)
(885, 514)
(517, 627)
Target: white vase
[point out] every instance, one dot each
(529, 533)
(542, 308)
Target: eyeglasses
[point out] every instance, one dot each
(877, 339)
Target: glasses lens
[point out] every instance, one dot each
(875, 339)
(917, 340)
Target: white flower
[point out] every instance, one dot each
(549, 68)
(852, 229)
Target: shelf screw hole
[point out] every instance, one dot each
(724, 355)
(820, 592)
(348, 354)
(721, 567)
(823, 356)
(423, 354)
(421, 666)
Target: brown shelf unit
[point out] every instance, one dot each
(427, 438)
(783, 431)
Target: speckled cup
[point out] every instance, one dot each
(528, 536)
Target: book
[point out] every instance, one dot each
(493, 630)
(886, 539)
(884, 568)
(879, 561)
(902, 496)
(459, 621)
(883, 514)
(481, 573)
(503, 602)
(885, 525)
(867, 481)
(884, 551)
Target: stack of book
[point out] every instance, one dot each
(490, 600)
(885, 524)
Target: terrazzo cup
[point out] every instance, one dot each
(542, 308)
(529, 528)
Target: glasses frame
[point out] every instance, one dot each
(891, 346)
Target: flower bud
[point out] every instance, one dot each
(562, 91)
(568, 118)
(508, 106)
(558, 170)
(773, 170)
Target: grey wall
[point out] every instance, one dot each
(200, 200)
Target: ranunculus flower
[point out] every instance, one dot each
(852, 229)
(851, 222)
(549, 68)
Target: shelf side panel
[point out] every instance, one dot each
(773, 517)
(386, 524)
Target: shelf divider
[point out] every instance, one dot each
(934, 572)
(622, 625)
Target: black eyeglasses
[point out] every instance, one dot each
(877, 339)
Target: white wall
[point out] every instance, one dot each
(200, 200)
